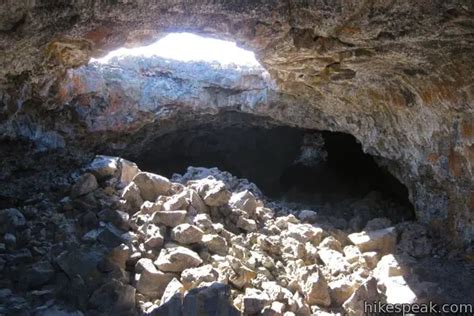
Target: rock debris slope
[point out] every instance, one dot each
(128, 242)
(395, 74)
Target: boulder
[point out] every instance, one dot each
(247, 224)
(113, 297)
(244, 200)
(215, 244)
(154, 236)
(371, 259)
(352, 253)
(340, 290)
(389, 266)
(212, 191)
(334, 260)
(213, 299)
(397, 291)
(193, 277)
(152, 185)
(103, 167)
(254, 301)
(197, 203)
(382, 240)
(150, 207)
(331, 243)
(128, 170)
(85, 184)
(186, 234)
(275, 309)
(304, 233)
(37, 275)
(315, 289)
(367, 293)
(11, 219)
(203, 221)
(177, 259)
(174, 288)
(150, 281)
(177, 202)
(169, 218)
(133, 199)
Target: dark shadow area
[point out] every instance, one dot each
(213, 300)
(294, 165)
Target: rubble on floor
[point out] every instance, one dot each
(129, 242)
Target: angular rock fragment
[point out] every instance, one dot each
(216, 244)
(86, 184)
(11, 219)
(177, 259)
(192, 277)
(131, 195)
(247, 224)
(340, 290)
(315, 289)
(151, 185)
(213, 192)
(169, 218)
(177, 202)
(186, 234)
(113, 297)
(128, 170)
(383, 240)
(150, 281)
(367, 293)
(254, 301)
(174, 288)
(103, 167)
(245, 201)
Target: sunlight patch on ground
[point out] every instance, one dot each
(189, 47)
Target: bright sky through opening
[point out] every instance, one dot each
(190, 47)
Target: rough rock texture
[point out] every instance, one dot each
(397, 75)
(94, 254)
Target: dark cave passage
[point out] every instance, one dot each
(303, 167)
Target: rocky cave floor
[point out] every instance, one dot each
(108, 239)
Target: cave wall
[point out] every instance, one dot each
(395, 74)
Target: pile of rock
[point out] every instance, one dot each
(148, 245)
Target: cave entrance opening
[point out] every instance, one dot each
(189, 47)
(303, 169)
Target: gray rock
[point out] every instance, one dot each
(215, 244)
(128, 170)
(177, 259)
(151, 185)
(174, 288)
(186, 234)
(114, 297)
(86, 184)
(315, 288)
(150, 281)
(37, 275)
(132, 196)
(254, 301)
(209, 300)
(247, 224)
(193, 277)
(169, 218)
(367, 293)
(245, 201)
(11, 219)
(212, 191)
(382, 240)
(103, 167)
